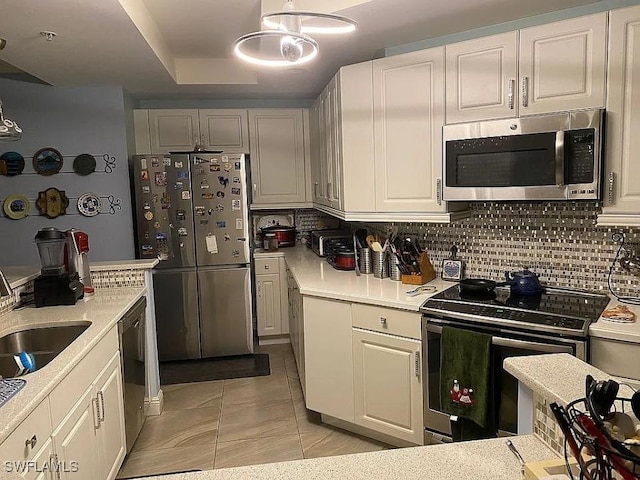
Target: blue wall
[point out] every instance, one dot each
(73, 121)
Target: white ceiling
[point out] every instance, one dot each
(182, 49)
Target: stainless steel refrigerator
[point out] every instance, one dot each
(192, 214)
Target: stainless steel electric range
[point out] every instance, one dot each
(555, 321)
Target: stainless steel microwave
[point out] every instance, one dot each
(543, 157)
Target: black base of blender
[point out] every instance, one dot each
(52, 290)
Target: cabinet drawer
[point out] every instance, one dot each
(267, 265)
(36, 427)
(71, 388)
(387, 320)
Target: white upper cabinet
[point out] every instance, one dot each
(342, 155)
(224, 130)
(548, 68)
(408, 103)
(622, 170)
(278, 156)
(481, 78)
(563, 65)
(173, 130)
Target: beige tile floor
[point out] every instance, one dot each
(231, 423)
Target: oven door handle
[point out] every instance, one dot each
(511, 342)
(525, 345)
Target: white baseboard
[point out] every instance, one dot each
(274, 340)
(154, 406)
(365, 432)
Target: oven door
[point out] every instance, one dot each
(504, 344)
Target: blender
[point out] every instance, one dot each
(55, 285)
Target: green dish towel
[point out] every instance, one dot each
(465, 358)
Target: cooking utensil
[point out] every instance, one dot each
(524, 282)
(286, 235)
(376, 247)
(370, 239)
(361, 235)
(515, 451)
(563, 421)
(356, 250)
(479, 285)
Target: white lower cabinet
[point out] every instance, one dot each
(93, 432)
(75, 440)
(387, 384)
(272, 304)
(296, 326)
(80, 425)
(328, 355)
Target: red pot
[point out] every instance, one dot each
(286, 235)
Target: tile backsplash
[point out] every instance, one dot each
(557, 240)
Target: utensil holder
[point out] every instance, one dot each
(380, 266)
(394, 271)
(364, 260)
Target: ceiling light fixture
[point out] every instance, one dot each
(9, 130)
(287, 43)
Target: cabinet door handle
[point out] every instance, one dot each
(315, 190)
(329, 191)
(53, 461)
(383, 322)
(512, 86)
(612, 181)
(259, 289)
(102, 409)
(417, 363)
(31, 442)
(96, 412)
(255, 189)
(525, 91)
(439, 191)
(266, 267)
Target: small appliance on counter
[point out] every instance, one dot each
(56, 285)
(319, 239)
(340, 253)
(279, 227)
(76, 258)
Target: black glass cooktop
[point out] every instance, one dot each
(554, 309)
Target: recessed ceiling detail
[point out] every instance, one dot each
(159, 48)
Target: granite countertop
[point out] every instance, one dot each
(316, 277)
(103, 310)
(623, 332)
(480, 460)
(17, 276)
(558, 377)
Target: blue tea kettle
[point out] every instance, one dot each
(523, 283)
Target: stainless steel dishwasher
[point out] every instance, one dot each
(132, 341)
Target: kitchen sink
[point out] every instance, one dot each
(44, 343)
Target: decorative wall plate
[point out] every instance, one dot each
(16, 206)
(47, 161)
(84, 164)
(11, 164)
(89, 204)
(52, 203)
